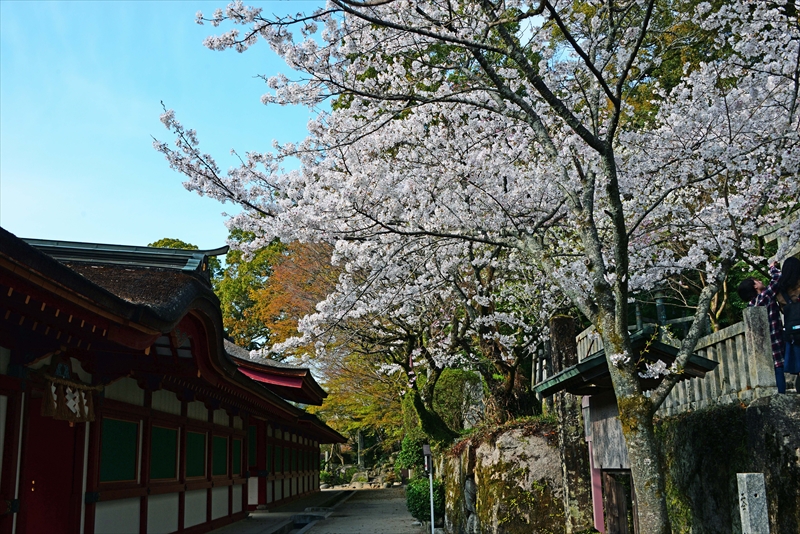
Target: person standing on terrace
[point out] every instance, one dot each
(788, 287)
(755, 293)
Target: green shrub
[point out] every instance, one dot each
(337, 476)
(418, 499)
(347, 476)
(326, 477)
(359, 477)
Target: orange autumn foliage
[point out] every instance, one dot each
(301, 277)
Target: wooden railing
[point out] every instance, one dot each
(745, 369)
(722, 385)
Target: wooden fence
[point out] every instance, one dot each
(745, 369)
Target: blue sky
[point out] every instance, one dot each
(80, 91)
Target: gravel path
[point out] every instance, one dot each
(378, 511)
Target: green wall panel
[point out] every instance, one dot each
(252, 446)
(220, 452)
(163, 452)
(118, 450)
(237, 457)
(195, 454)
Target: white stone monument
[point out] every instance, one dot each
(753, 503)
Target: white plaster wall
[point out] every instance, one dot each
(44, 362)
(5, 359)
(117, 517)
(238, 422)
(252, 490)
(162, 513)
(237, 498)
(194, 511)
(221, 418)
(278, 490)
(197, 410)
(269, 492)
(125, 390)
(219, 502)
(166, 401)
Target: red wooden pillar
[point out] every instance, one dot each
(230, 466)
(93, 472)
(182, 466)
(8, 488)
(22, 516)
(76, 498)
(209, 460)
(144, 475)
(262, 462)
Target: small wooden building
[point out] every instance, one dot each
(122, 407)
(613, 493)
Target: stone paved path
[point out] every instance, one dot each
(279, 519)
(378, 511)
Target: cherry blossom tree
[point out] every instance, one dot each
(513, 125)
(450, 305)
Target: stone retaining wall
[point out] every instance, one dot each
(509, 482)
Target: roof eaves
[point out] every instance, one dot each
(73, 285)
(596, 365)
(98, 253)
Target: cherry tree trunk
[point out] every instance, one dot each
(431, 422)
(636, 418)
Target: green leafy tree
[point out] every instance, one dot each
(363, 400)
(237, 284)
(410, 455)
(242, 278)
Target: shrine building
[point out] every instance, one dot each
(123, 408)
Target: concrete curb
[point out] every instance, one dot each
(326, 512)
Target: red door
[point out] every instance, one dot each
(49, 471)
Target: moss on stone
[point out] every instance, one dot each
(454, 478)
(774, 444)
(504, 506)
(702, 452)
(543, 425)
